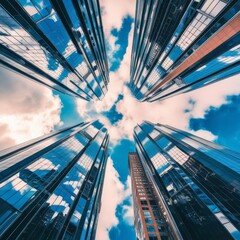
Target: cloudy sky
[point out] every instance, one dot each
(28, 110)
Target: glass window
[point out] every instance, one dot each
(153, 202)
(154, 237)
(156, 213)
(148, 220)
(146, 214)
(144, 202)
(150, 229)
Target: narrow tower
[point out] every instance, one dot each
(150, 218)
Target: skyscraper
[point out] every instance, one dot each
(182, 45)
(51, 187)
(58, 43)
(197, 182)
(149, 221)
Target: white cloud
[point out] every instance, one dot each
(114, 193)
(172, 111)
(112, 48)
(128, 215)
(213, 95)
(27, 109)
(113, 13)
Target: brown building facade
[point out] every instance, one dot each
(149, 220)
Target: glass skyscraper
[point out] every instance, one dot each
(197, 182)
(181, 45)
(51, 187)
(59, 43)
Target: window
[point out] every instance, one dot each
(150, 229)
(153, 202)
(159, 220)
(153, 237)
(161, 228)
(146, 214)
(156, 213)
(164, 238)
(144, 202)
(148, 220)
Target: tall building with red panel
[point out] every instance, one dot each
(150, 218)
(182, 45)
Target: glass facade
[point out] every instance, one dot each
(197, 181)
(182, 45)
(51, 187)
(57, 43)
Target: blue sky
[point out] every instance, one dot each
(222, 122)
(122, 40)
(29, 110)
